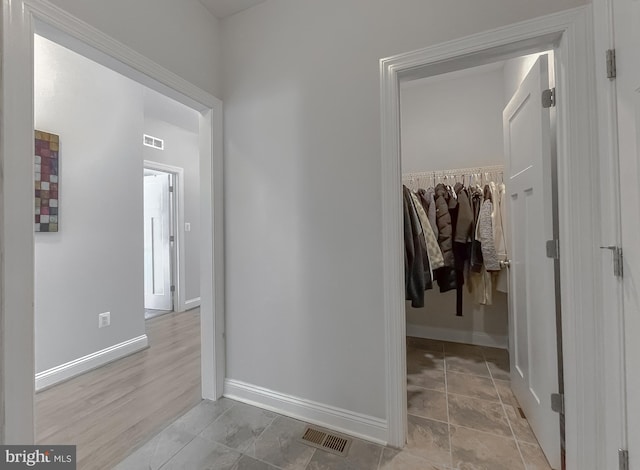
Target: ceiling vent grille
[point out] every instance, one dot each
(154, 142)
(326, 441)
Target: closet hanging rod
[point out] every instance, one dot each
(454, 172)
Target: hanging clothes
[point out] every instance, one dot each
(417, 273)
(485, 231)
(476, 250)
(429, 204)
(445, 276)
(464, 222)
(436, 259)
(463, 238)
(499, 235)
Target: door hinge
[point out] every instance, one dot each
(623, 459)
(557, 403)
(170, 189)
(549, 98)
(611, 63)
(173, 288)
(553, 249)
(617, 259)
(172, 239)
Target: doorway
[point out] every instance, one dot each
(567, 35)
(159, 242)
(19, 373)
(463, 330)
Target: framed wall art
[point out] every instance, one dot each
(47, 159)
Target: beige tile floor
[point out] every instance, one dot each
(462, 415)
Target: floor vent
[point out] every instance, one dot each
(326, 441)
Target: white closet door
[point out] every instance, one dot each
(532, 307)
(157, 247)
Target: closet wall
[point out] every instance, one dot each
(455, 121)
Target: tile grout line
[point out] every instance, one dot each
(379, 458)
(446, 395)
(504, 410)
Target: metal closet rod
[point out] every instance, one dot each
(458, 172)
(465, 175)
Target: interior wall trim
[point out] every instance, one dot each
(478, 338)
(337, 419)
(71, 369)
(192, 303)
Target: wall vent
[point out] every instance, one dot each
(154, 142)
(326, 441)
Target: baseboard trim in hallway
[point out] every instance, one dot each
(89, 362)
(354, 424)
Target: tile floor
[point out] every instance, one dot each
(462, 415)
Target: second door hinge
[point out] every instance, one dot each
(623, 459)
(173, 288)
(557, 403)
(549, 98)
(170, 189)
(553, 249)
(611, 64)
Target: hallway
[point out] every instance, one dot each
(112, 410)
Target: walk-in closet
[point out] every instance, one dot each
(478, 201)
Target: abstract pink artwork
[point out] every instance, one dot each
(47, 150)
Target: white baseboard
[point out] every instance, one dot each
(336, 419)
(191, 303)
(478, 338)
(84, 364)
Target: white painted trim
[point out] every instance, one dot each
(19, 19)
(179, 273)
(192, 303)
(89, 362)
(347, 422)
(479, 338)
(611, 348)
(577, 168)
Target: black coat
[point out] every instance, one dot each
(417, 273)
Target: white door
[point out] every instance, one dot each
(532, 305)
(627, 44)
(157, 246)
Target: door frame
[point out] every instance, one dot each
(178, 267)
(570, 34)
(614, 431)
(17, 369)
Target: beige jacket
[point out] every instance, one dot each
(436, 260)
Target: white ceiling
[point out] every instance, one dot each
(224, 8)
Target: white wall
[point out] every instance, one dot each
(304, 302)
(182, 36)
(89, 266)
(455, 121)
(178, 126)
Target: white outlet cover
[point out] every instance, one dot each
(104, 319)
(187, 227)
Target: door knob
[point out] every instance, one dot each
(505, 264)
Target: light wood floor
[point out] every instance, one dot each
(112, 410)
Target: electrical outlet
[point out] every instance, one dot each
(104, 319)
(187, 227)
